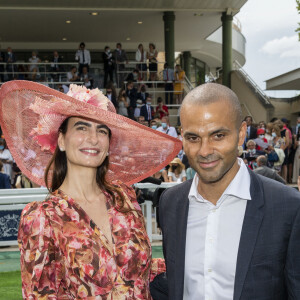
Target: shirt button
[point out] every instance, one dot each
(209, 270)
(214, 210)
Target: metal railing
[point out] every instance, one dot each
(13, 201)
(238, 67)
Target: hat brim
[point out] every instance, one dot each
(136, 151)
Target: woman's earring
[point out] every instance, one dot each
(107, 153)
(61, 149)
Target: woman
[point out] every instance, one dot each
(179, 84)
(268, 134)
(123, 103)
(176, 171)
(296, 166)
(141, 59)
(152, 57)
(34, 68)
(87, 239)
(279, 146)
(6, 159)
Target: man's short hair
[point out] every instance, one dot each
(248, 117)
(262, 160)
(82, 44)
(213, 92)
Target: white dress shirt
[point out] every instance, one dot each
(84, 57)
(169, 130)
(212, 239)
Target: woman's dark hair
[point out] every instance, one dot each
(151, 44)
(59, 164)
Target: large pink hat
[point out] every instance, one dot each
(31, 115)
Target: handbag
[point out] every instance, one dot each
(273, 156)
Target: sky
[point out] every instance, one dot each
(272, 45)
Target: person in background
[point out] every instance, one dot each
(262, 125)
(131, 93)
(268, 134)
(33, 67)
(142, 93)
(176, 172)
(83, 57)
(10, 59)
(296, 166)
(86, 78)
(141, 59)
(251, 130)
(72, 75)
(179, 84)
(123, 103)
(137, 110)
(261, 135)
(264, 170)
(161, 175)
(147, 110)
(152, 57)
(161, 109)
(111, 94)
(120, 57)
(168, 77)
(153, 124)
(166, 128)
(23, 181)
(2, 58)
(4, 179)
(133, 76)
(278, 143)
(6, 159)
(108, 61)
(55, 66)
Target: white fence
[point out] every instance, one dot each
(14, 200)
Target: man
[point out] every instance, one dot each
(84, 57)
(166, 128)
(10, 58)
(120, 60)
(251, 131)
(131, 93)
(111, 94)
(86, 78)
(168, 77)
(72, 76)
(108, 60)
(142, 94)
(55, 66)
(228, 233)
(264, 170)
(147, 110)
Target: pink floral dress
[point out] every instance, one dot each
(64, 255)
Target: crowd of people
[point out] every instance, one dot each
(278, 142)
(144, 69)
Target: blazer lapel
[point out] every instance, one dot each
(181, 225)
(251, 225)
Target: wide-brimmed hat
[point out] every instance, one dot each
(178, 161)
(31, 115)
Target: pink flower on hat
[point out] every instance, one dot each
(94, 97)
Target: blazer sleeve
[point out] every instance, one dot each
(38, 265)
(292, 267)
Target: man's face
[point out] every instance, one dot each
(211, 139)
(249, 121)
(165, 120)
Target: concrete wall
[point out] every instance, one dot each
(251, 104)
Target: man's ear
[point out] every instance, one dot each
(242, 133)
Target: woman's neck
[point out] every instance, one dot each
(81, 184)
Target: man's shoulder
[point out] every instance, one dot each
(278, 193)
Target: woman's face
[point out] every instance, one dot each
(140, 47)
(150, 46)
(86, 143)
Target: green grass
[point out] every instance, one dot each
(10, 286)
(10, 282)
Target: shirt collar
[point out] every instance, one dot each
(239, 187)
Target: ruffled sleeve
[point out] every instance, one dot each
(38, 265)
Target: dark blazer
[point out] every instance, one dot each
(144, 112)
(268, 261)
(270, 173)
(4, 181)
(142, 96)
(253, 133)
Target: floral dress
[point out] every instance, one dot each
(64, 255)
